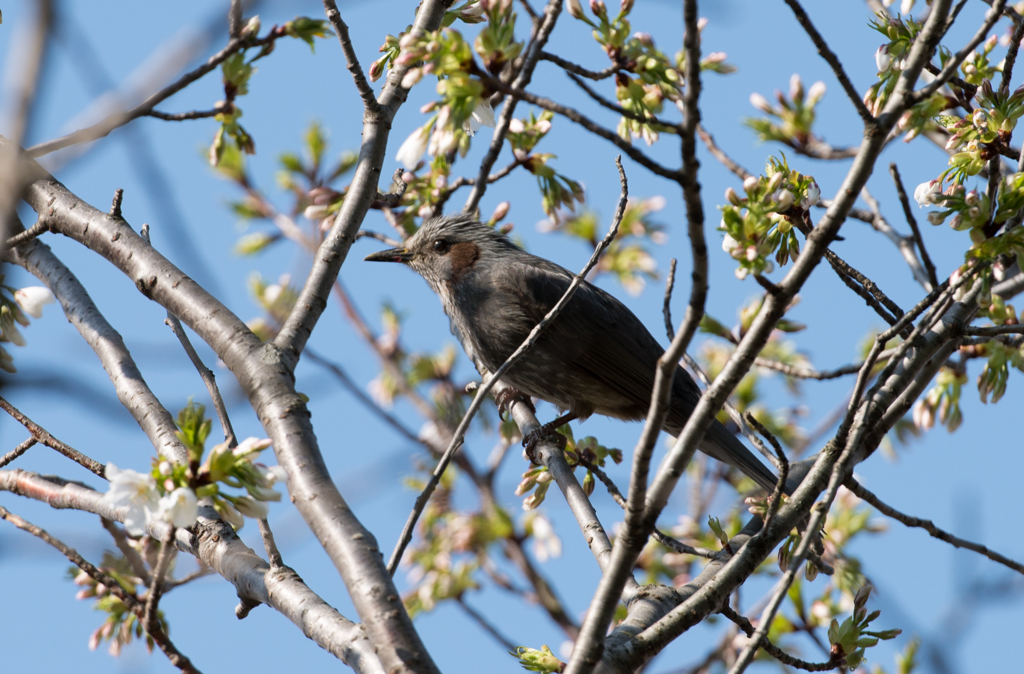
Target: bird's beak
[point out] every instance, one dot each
(391, 255)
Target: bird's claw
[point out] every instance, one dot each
(507, 396)
(545, 432)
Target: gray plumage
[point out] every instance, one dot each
(596, 357)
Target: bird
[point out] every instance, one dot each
(596, 357)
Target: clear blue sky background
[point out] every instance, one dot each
(967, 482)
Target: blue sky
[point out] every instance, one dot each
(966, 482)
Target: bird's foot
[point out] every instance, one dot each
(507, 396)
(548, 431)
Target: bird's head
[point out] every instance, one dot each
(447, 248)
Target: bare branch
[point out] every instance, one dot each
(207, 376)
(721, 156)
(185, 116)
(666, 308)
(912, 221)
(571, 67)
(352, 61)
(18, 451)
(43, 436)
(637, 524)
(26, 235)
(994, 330)
(776, 652)
(833, 61)
(915, 522)
(118, 119)
(106, 342)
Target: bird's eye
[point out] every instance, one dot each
(441, 246)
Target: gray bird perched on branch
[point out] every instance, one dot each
(596, 356)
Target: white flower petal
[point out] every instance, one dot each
(32, 300)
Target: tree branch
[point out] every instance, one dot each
(152, 628)
(826, 53)
(43, 436)
(132, 390)
(111, 122)
(915, 522)
(218, 546)
(521, 81)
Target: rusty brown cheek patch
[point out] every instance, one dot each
(463, 255)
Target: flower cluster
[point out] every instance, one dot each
(556, 189)
(170, 492)
(851, 637)
(538, 479)
(463, 106)
(890, 58)
(795, 115)
(122, 625)
(13, 310)
(760, 224)
(657, 78)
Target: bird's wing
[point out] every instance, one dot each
(596, 336)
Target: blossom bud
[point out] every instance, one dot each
(598, 8)
(784, 199)
(979, 118)
(575, 9)
(500, 211)
(750, 183)
(815, 93)
(775, 181)
(882, 58)
(627, 5)
(760, 102)
(796, 88)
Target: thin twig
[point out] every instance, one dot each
(17, 451)
(207, 376)
(113, 586)
(833, 61)
(43, 436)
(269, 544)
(783, 465)
(720, 154)
(619, 110)
(505, 642)
(806, 373)
(901, 192)
(620, 500)
(117, 119)
(41, 227)
(915, 522)
(482, 391)
(776, 652)
(574, 116)
(131, 555)
(571, 67)
(995, 330)
(184, 116)
(156, 583)
(1010, 59)
(666, 308)
(953, 64)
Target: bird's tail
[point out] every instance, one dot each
(721, 444)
